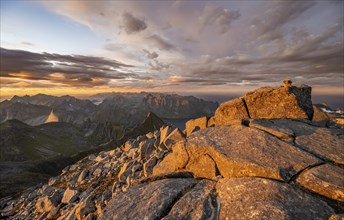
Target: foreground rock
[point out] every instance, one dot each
(150, 201)
(326, 143)
(236, 151)
(269, 103)
(280, 102)
(199, 203)
(270, 127)
(257, 198)
(233, 109)
(195, 125)
(327, 180)
(119, 184)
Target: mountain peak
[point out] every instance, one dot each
(153, 121)
(52, 117)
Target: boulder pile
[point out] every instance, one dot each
(243, 163)
(84, 188)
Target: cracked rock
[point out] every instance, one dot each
(326, 180)
(258, 198)
(148, 201)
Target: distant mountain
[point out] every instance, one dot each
(26, 112)
(32, 154)
(126, 106)
(175, 106)
(63, 102)
(164, 105)
(22, 142)
(151, 123)
(34, 110)
(120, 111)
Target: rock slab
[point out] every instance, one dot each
(280, 102)
(326, 180)
(267, 103)
(258, 198)
(229, 111)
(237, 151)
(149, 201)
(199, 203)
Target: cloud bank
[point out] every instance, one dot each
(195, 45)
(66, 70)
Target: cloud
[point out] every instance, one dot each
(158, 66)
(280, 13)
(311, 43)
(151, 55)
(132, 24)
(73, 70)
(257, 43)
(232, 60)
(190, 80)
(161, 43)
(314, 57)
(113, 47)
(27, 43)
(219, 17)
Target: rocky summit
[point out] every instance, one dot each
(270, 102)
(261, 156)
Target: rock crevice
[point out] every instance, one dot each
(295, 176)
(245, 105)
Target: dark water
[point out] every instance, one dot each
(333, 101)
(179, 123)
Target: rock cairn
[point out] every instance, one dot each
(287, 83)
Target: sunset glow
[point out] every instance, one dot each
(218, 47)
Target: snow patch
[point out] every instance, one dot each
(327, 110)
(97, 102)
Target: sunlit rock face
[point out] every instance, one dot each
(52, 117)
(287, 101)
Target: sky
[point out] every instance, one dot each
(208, 47)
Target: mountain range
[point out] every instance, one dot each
(31, 147)
(122, 111)
(270, 154)
(30, 155)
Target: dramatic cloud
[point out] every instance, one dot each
(73, 70)
(193, 45)
(132, 24)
